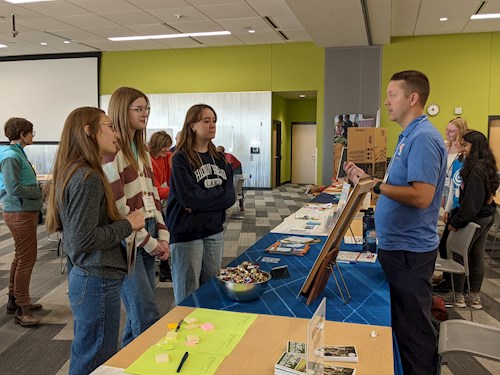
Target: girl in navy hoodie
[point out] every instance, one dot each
(201, 190)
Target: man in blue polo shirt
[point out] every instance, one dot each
(406, 219)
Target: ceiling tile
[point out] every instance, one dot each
(244, 24)
(187, 14)
(157, 29)
(56, 9)
(221, 11)
(88, 21)
(112, 32)
(105, 6)
(159, 4)
(131, 18)
(196, 27)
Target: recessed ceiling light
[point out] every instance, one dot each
(484, 16)
(3, 46)
(442, 19)
(43, 43)
(251, 31)
(168, 36)
(66, 42)
(302, 95)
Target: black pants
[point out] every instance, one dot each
(409, 276)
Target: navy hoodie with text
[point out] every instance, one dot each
(199, 197)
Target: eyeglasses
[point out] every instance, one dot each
(110, 124)
(33, 133)
(140, 109)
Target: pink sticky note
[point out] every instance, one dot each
(207, 326)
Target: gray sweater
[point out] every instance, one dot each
(91, 239)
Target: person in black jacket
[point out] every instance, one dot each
(479, 184)
(201, 189)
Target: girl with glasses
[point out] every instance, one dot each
(131, 176)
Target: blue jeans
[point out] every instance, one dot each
(138, 293)
(194, 263)
(95, 303)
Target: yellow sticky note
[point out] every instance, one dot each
(190, 320)
(193, 338)
(172, 326)
(162, 358)
(171, 335)
(190, 327)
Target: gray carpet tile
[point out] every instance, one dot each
(45, 349)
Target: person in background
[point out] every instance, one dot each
(406, 218)
(455, 129)
(177, 140)
(22, 201)
(159, 146)
(237, 173)
(339, 126)
(347, 124)
(479, 185)
(82, 205)
(131, 177)
(200, 192)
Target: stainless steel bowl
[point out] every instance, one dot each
(243, 292)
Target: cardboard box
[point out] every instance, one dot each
(366, 145)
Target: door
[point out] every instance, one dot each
(304, 153)
(276, 154)
(494, 137)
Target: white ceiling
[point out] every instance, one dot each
(328, 23)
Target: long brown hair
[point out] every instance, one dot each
(77, 149)
(187, 142)
(118, 108)
(480, 158)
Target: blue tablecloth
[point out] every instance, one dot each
(369, 304)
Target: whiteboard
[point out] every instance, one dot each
(45, 91)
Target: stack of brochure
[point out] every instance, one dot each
(354, 256)
(294, 362)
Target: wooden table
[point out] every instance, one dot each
(265, 341)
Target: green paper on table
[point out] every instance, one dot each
(204, 357)
(196, 363)
(224, 320)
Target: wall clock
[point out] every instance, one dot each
(433, 109)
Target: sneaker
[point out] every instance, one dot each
(456, 300)
(475, 302)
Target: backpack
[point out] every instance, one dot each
(438, 309)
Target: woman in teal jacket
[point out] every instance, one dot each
(22, 201)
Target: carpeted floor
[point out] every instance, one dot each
(44, 350)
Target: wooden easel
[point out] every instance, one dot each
(326, 262)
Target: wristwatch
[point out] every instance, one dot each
(376, 188)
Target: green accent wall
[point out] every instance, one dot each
(463, 70)
(288, 112)
(276, 67)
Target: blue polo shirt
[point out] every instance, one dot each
(420, 156)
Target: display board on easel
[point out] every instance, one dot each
(320, 272)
